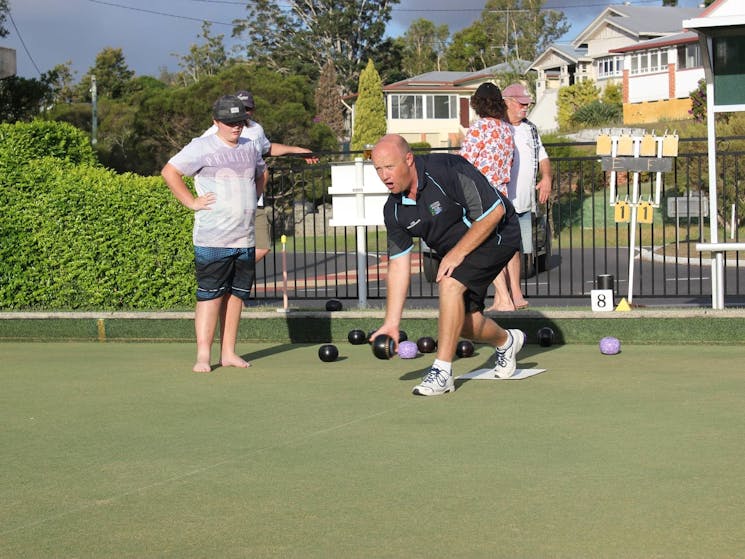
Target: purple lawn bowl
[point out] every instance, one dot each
(610, 345)
(407, 350)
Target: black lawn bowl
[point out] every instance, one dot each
(426, 344)
(328, 353)
(384, 347)
(333, 305)
(357, 337)
(546, 336)
(464, 349)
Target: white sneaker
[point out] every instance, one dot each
(507, 358)
(434, 383)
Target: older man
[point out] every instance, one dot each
(530, 161)
(446, 201)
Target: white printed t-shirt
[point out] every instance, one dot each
(229, 172)
(253, 131)
(521, 190)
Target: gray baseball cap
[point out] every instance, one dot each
(229, 109)
(247, 98)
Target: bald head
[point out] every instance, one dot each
(393, 142)
(394, 163)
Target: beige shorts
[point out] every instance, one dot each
(263, 241)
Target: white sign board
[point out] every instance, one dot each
(601, 300)
(357, 194)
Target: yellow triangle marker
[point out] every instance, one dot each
(623, 305)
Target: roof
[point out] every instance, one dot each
(563, 50)
(721, 13)
(639, 21)
(445, 80)
(682, 38)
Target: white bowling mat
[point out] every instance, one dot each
(486, 374)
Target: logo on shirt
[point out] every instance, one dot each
(413, 224)
(435, 208)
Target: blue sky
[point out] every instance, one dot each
(153, 33)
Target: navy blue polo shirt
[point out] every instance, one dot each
(451, 195)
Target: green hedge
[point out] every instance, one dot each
(77, 236)
(24, 141)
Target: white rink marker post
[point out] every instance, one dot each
(635, 154)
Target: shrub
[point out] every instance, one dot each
(24, 141)
(698, 102)
(572, 97)
(596, 114)
(612, 95)
(84, 237)
(420, 148)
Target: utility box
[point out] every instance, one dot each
(357, 194)
(7, 62)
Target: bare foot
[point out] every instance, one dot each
(200, 367)
(521, 304)
(500, 308)
(234, 361)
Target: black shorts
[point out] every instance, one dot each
(477, 272)
(224, 270)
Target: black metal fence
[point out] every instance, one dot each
(586, 240)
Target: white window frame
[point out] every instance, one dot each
(649, 62)
(609, 67)
(424, 105)
(689, 56)
(413, 102)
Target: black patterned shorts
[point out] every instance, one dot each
(224, 270)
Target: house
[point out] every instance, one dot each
(435, 107)
(659, 76)
(595, 54)
(721, 35)
(720, 29)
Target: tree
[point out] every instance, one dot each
(467, 50)
(23, 99)
(388, 57)
(369, 113)
(508, 29)
(112, 75)
(329, 104)
(4, 13)
(205, 60)
(61, 79)
(299, 36)
(167, 118)
(424, 47)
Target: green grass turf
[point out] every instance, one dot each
(118, 450)
(640, 328)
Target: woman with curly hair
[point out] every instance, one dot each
(489, 147)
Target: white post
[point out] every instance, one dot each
(717, 263)
(634, 210)
(359, 176)
(613, 151)
(733, 224)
